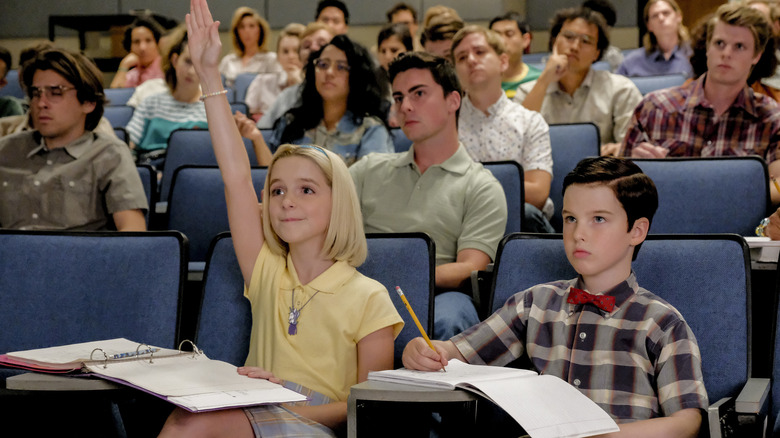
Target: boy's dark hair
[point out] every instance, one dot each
(441, 69)
(5, 56)
(603, 7)
(634, 190)
(590, 16)
(522, 26)
(398, 30)
(150, 24)
(398, 8)
(76, 69)
(332, 3)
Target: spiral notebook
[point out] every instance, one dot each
(187, 379)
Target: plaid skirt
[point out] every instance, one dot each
(276, 421)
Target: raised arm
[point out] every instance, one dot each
(244, 216)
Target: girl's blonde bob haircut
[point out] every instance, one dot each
(265, 29)
(345, 239)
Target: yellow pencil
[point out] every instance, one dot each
(416, 321)
(777, 186)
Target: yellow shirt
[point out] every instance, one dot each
(323, 354)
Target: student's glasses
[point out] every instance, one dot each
(52, 92)
(571, 36)
(325, 64)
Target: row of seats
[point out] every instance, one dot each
(133, 289)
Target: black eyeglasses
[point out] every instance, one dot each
(52, 92)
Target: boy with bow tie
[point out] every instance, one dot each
(626, 349)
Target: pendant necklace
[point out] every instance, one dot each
(292, 318)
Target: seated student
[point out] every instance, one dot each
(250, 34)
(342, 106)
(612, 54)
(319, 326)
(334, 14)
(392, 40)
(62, 175)
(493, 128)
(144, 61)
(666, 44)
(570, 91)
(156, 117)
(9, 105)
(516, 34)
(640, 363)
(266, 87)
(437, 36)
(405, 13)
(314, 37)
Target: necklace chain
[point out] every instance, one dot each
(292, 318)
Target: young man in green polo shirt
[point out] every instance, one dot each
(435, 187)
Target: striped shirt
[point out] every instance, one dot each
(637, 362)
(682, 120)
(158, 116)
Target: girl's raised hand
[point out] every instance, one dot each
(258, 373)
(204, 43)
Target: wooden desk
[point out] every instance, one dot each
(387, 409)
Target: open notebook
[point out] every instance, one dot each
(545, 406)
(187, 379)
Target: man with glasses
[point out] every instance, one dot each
(570, 91)
(61, 175)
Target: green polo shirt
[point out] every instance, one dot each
(458, 202)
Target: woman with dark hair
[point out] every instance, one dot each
(144, 61)
(393, 40)
(250, 34)
(342, 105)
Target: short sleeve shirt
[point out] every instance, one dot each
(337, 309)
(75, 187)
(640, 63)
(603, 98)
(459, 203)
(232, 65)
(637, 362)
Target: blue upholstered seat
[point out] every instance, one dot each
(510, 175)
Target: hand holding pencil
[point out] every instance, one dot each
(415, 364)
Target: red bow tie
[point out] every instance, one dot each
(579, 296)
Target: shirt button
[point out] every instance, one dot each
(72, 184)
(49, 162)
(36, 183)
(35, 215)
(5, 183)
(583, 336)
(576, 382)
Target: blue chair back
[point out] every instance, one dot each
(68, 287)
(406, 260)
(241, 85)
(601, 65)
(149, 181)
(239, 106)
(400, 141)
(225, 320)
(570, 143)
(191, 147)
(12, 88)
(121, 133)
(197, 207)
(535, 58)
(708, 195)
(118, 115)
(700, 275)
(646, 84)
(510, 175)
(118, 96)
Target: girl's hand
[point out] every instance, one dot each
(258, 373)
(129, 61)
(204, 44)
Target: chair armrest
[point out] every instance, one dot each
(480, 290)
(715, 412)
(753, 397)
(744, 415)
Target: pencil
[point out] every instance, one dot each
(414, 317)
(777, 186)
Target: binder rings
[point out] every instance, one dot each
(187, 379)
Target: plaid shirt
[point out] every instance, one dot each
(682, 120)
(637, 362)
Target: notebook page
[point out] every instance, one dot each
(457, 372)
(77, 353)
(548, 407)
